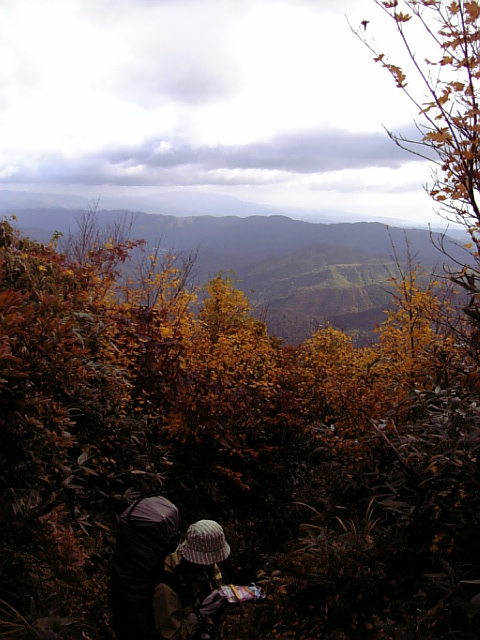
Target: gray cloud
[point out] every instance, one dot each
(188, 81)
(176, 51)
(158, 162)
(316, 152)
(303, 152)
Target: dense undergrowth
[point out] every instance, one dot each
(346, 478)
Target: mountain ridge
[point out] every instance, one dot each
(297, 274)
(186, 203)
(251, 235)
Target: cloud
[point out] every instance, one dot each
(78, 77)
(160, 162)
(389, 180)
(295, 152)
(154, 80)
(268, 99)
(316, 152)
(171, 51)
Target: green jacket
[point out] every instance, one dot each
(178, 596)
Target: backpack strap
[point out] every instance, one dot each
(179, 586)
(132, 508)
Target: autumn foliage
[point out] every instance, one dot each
(115, 385)
(346, 477)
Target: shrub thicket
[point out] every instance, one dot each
(345, 476)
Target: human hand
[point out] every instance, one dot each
(212, 603)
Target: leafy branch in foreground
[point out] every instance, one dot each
(448, 103)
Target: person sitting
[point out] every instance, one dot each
(190, 575)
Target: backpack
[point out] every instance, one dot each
(147, 532)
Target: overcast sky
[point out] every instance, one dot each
(272, 101)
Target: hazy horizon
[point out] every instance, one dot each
(274, 102)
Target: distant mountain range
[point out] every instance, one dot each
(182, 203)
(298, 274)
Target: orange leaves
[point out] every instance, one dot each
(446, 60)
(414, 330)
(457, 86)
(345, 387)
(234, 476)
(444, 56)
(51, 370)
(472, 10)
(130, 384)
(341, 384)
(397, 74)
(444, 97)
(229, 347)
(66, 548)
(441, 136)
(453, 8)
(402, 17)
(236, 395)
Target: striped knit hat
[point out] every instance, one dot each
(205, 543)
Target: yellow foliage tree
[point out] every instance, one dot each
(417, 345)
(343, 386)
(346, 388)
(232, 364)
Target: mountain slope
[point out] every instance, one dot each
(303, 274)
(248, 237)
(318, 284)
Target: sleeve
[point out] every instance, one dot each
(217, 576)
(172, 621)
